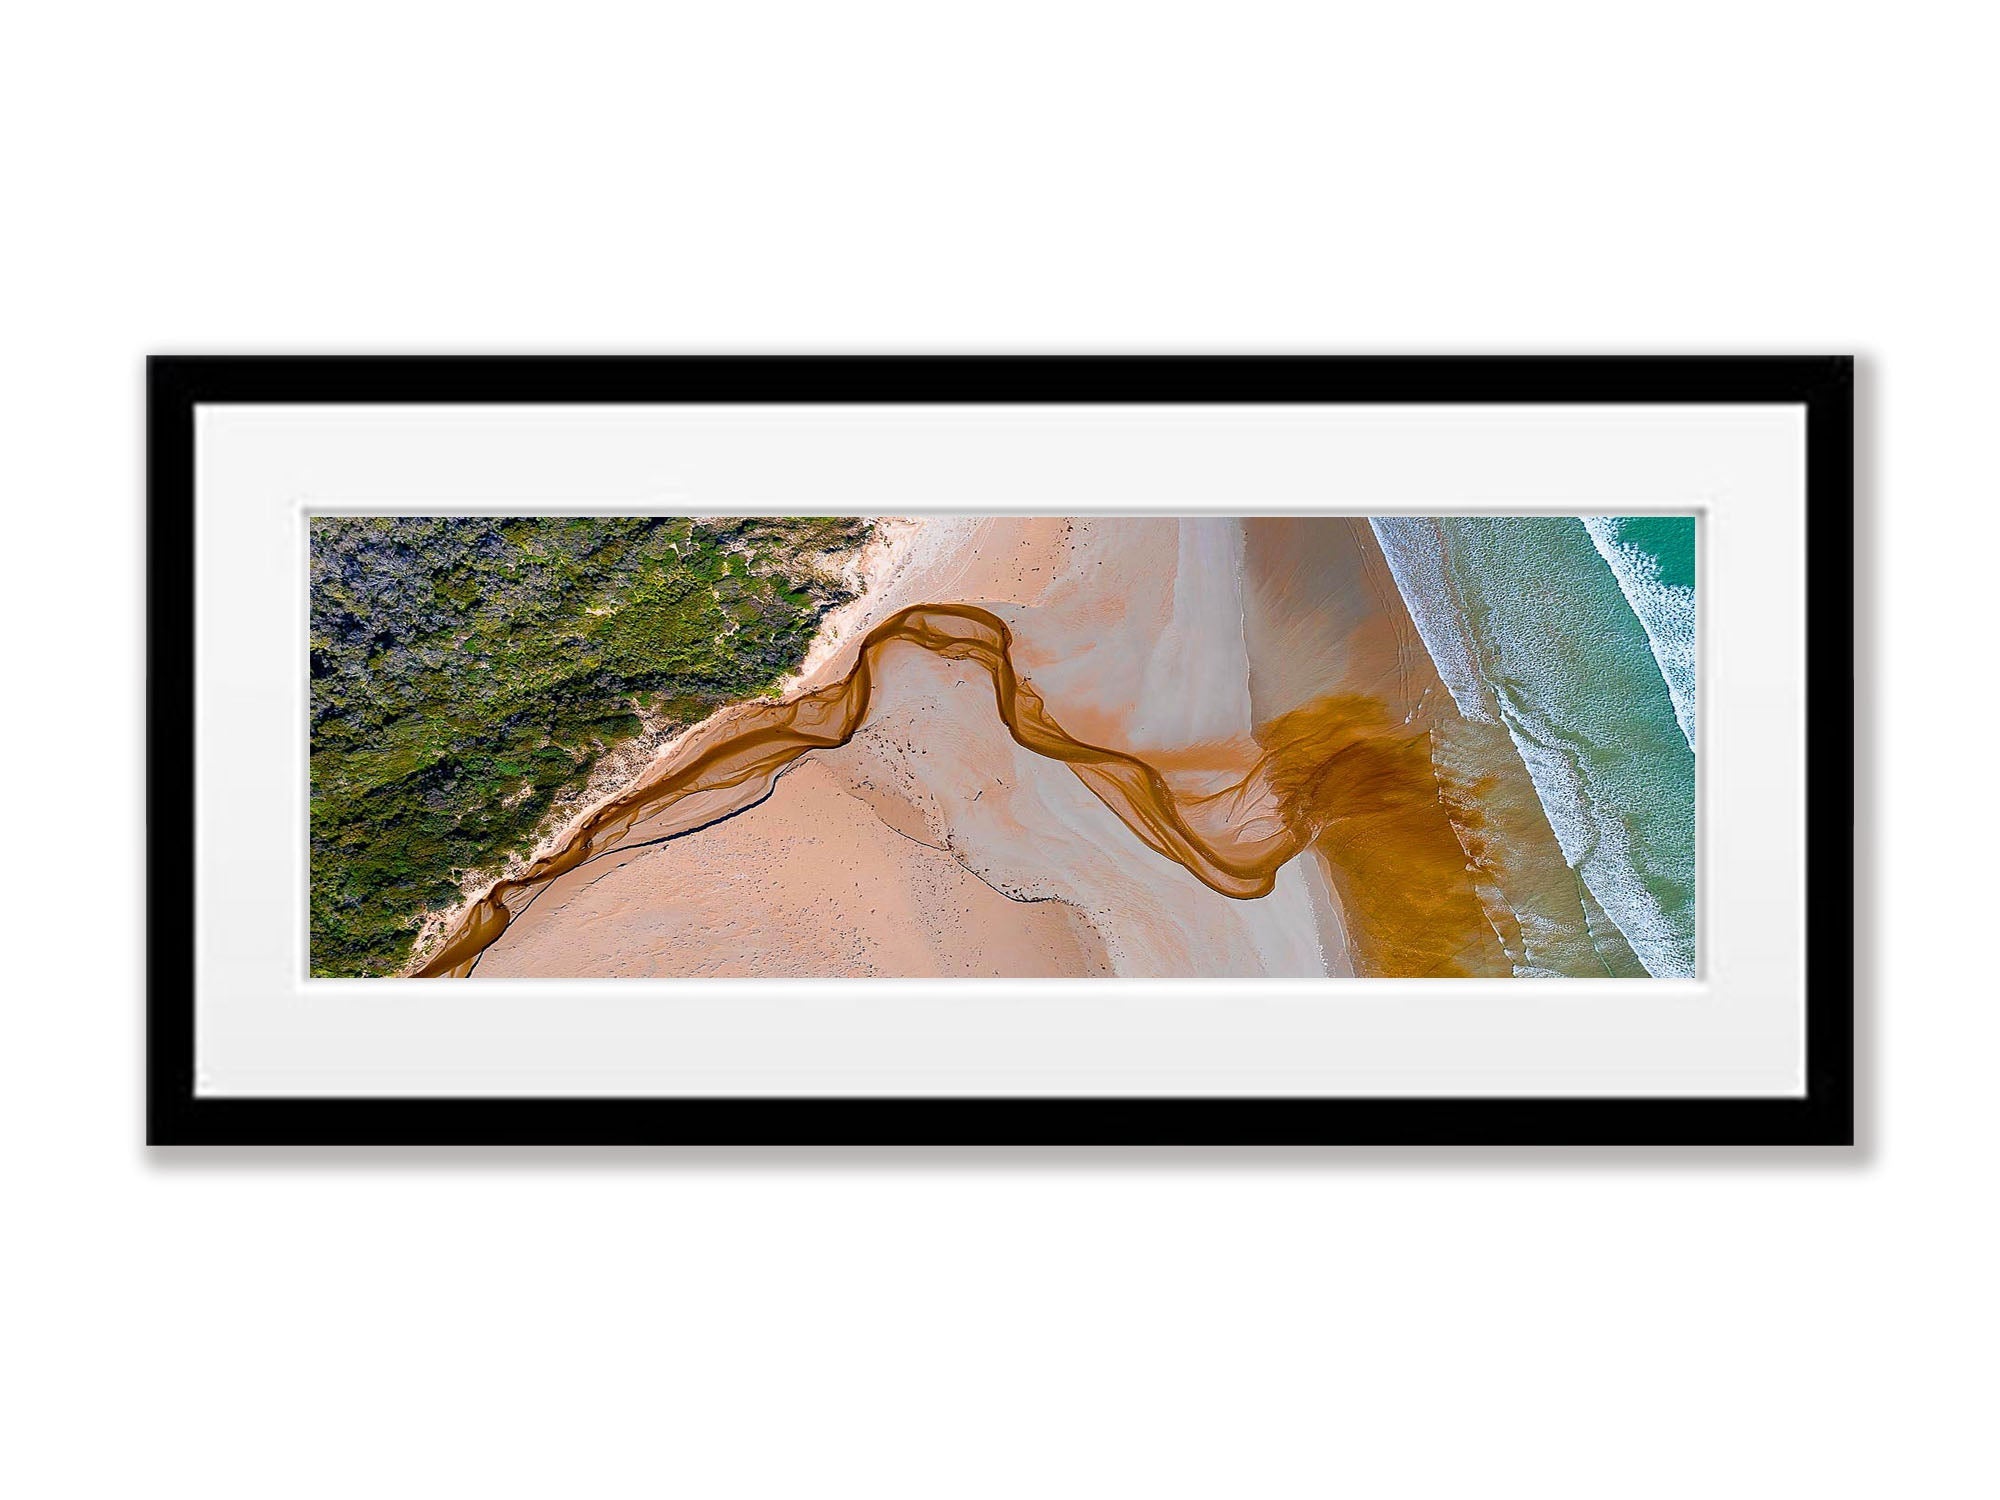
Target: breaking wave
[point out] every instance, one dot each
(1650, 556)
(1530, 627)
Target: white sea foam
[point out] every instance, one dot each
(1667, 611)
(1416, 560)
(1521, 634)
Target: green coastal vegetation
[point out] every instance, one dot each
(468, 672)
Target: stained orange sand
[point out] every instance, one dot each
(1341, 774)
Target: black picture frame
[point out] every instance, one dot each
(1823, 1115)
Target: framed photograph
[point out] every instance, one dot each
(1001, 750)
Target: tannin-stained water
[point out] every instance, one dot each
(1341, 772)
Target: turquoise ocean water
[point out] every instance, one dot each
(1578, 634)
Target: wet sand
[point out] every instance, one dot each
(1323, 615)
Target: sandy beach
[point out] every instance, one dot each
(1325, 809)
(965, 852)
(813, 880)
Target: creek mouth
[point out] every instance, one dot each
(1339, 774)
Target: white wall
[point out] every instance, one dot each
(1533, 177)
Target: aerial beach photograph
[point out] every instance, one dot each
(1006, 746)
